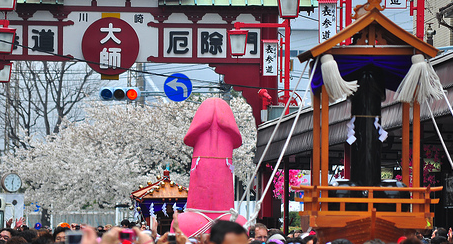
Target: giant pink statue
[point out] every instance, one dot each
(213, 135)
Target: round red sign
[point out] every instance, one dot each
(110, 45)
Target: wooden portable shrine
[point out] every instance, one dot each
(366, 209)
(157, 196)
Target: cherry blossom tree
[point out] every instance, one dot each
(98, 162)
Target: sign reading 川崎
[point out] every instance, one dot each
(110, 45)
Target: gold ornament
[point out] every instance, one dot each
(139, 208)
(157, 188)
(151, 191)
(159, 177)
(140, 187)
(180, 188)
(131, 207)
(172, 183)
(149, 183)
(162, 183)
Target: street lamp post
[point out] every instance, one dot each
(288, 10)
(7, 36)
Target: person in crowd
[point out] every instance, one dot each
(260, 232)
(44, 237)
(17, 240)
(6, 234)
(28, 235)
(143, 226)
(125, 223)
(310, 239)
(439, 232)
(107, 227)
(298, 233)
(411, 240)
(341, 241)
(291, 234)
(438, 240)
(227, 232)
(295, 240)
(276, 236)
(59, 235)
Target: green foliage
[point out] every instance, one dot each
(294, 219)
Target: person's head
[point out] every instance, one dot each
(6, 234)
(44, 238)
(298, 233)
(341, 241)
(100, 228)
(17, 240)
(277, 238)
(227, 232)
(107, 227)
(411, 240)
(311, 239)
(260, 232)
(295, 240)
(442, 232)
(125, 223)
(438, 240)
(143, 226)
(28, 235)
(59, 234)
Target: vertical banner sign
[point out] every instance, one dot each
(327, 20)
(396, 4)
(270, 57)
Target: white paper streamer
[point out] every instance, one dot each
(196, 164)
(382, 133)
(351, 133)
(151, 210)
(164, 209)
(230, 166)
(174, 207)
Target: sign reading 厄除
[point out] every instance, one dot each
(178, 87)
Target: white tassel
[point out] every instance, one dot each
(335, 85)
(421, 82)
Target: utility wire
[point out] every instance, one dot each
(71, 58)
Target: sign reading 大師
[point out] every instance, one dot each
(109, 45)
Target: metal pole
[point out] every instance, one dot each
(287, 61)
(248, 201)
(286, 197)
(140, 82)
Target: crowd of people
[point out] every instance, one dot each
(222, 232)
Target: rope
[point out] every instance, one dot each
(269, 143)
(196, 164)
(258, 204)
(211, 222)
(440, 135)
(212, 157)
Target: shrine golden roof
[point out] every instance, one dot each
(374, 34)
(164, 188)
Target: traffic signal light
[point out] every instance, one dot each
(119, 93)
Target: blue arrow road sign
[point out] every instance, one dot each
(178, 87)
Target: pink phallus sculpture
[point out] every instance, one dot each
(213, 135)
